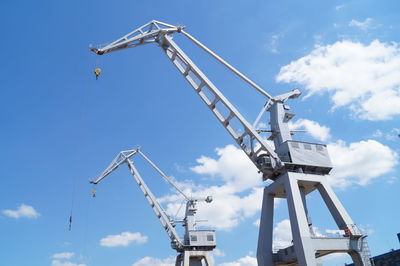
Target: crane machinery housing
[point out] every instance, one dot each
(196, 246)
(296, 168)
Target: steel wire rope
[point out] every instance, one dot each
(89, 200)
(179, 209)
(72, 203)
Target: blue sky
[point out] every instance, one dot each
(61, 127)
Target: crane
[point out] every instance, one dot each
(244, 133)
(296, 168)
(196, 245)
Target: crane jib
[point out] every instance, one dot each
(252, 143)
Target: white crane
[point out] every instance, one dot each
(196, 245)
(297, 168)
(255, 146)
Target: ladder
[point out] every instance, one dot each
(366, 253)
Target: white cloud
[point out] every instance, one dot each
(317, 233)
(359, 162)
(363, 78)
(282, 235)
(65, 263)
(63, 255)
(335, 231)
(238, 197)
(245, 261)
(123, 239)
(314, 129)
(363, 25)
(170, 261)
(150, 261)
(23, 211)
(233, 166)
(333, 259)
(226, 210)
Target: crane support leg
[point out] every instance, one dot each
(306, 245)
(299, 223)
(265, 237)
(357, 259)
(339, 213)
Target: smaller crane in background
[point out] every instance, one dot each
(196, 245)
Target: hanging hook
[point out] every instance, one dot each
(97, 72)
(70, 223)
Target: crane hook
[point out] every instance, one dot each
(97, 72)
(70, 223)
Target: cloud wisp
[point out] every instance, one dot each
(59, 259)
(245, 261)
(124, 239)
(150, 261)
(23, 211)
(273, 43)
(65, 263)
(170, 261)
(363, 25)
(63, 255)
(392, 135)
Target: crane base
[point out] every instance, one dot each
(194, 258)
(307, 246)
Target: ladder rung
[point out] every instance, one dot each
(186, 71)
(229, 118)
(214, 102)
(198, 89)
(243, 135)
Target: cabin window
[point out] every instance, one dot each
(295, 145)
(320, 148)
(307, 146)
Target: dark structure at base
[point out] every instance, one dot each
(391, 258)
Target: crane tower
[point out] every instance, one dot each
(196, 246)
(296, 168)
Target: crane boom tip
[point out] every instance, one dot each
(96, 51)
